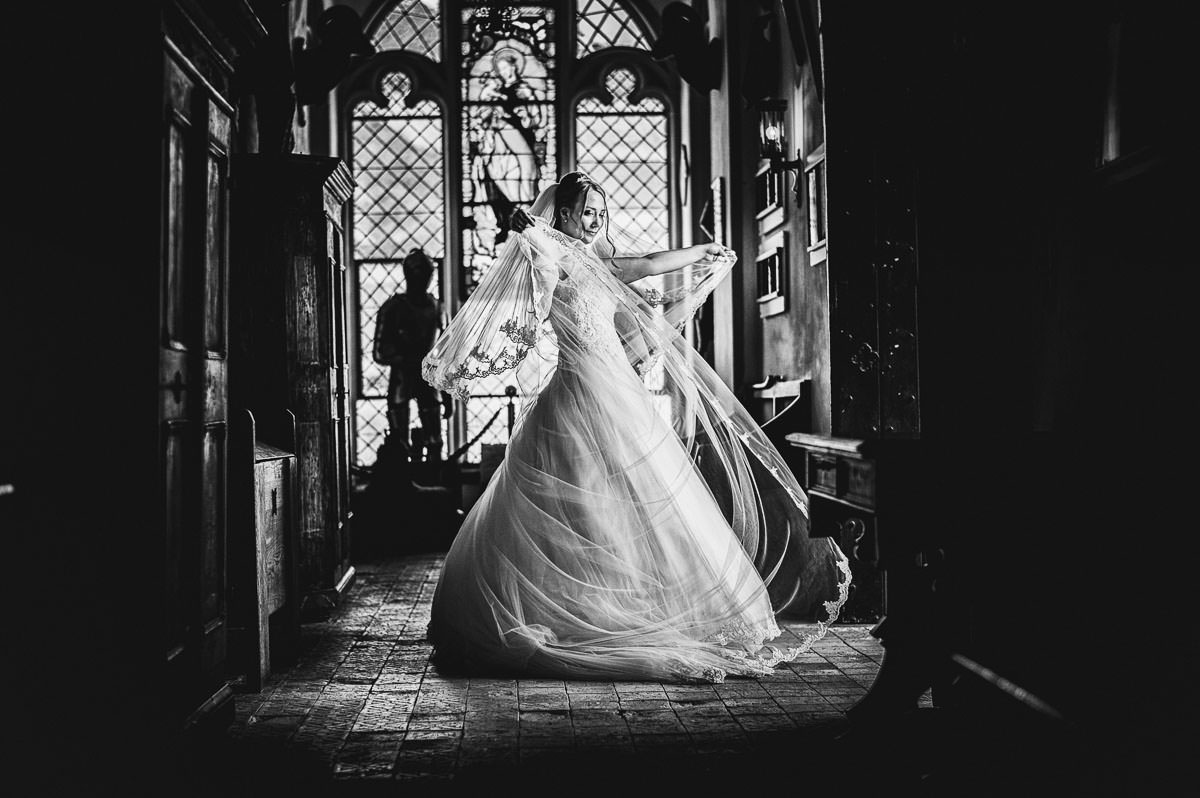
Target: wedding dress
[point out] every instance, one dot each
(640, 525)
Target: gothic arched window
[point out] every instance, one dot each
(445, 148)
(399, 205)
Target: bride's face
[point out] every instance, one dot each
(587, 218)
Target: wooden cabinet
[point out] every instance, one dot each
(274, 475)
(264, 593)
(839, 476)
(877, 500)
(291, 349)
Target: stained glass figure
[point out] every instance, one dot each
(508, 123)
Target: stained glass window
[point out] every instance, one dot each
(398, 207)
(506, 112)
(606, 23)
(509, 156)
(412, 25)
(508, 93)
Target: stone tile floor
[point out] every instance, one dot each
(362, 707)
(362, 712)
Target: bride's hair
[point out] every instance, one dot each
(571, 187)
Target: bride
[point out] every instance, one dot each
(641, 526)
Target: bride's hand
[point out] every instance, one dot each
(715, 252)
(520, 220)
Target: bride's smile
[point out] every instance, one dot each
(586, 219)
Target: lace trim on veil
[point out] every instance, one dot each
(755, 655)
(457, 381)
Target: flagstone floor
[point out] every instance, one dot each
(363, 708)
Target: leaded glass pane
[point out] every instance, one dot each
(371, 415)
(606, 23)
(623, 145)
(412, 25)
(399, 206)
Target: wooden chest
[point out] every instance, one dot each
(265, 591)
(840, 481)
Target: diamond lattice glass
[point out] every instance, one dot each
(398, 207)
(412, 25)
(623, 145)
(606, 23)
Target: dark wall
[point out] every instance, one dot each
(1054, 357)
(79, 431)
(80, 330)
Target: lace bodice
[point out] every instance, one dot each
(583, 308)
(582, 316)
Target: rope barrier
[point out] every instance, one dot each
(462, 449)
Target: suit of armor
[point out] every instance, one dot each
(405, 328)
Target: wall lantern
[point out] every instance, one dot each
(772, 141)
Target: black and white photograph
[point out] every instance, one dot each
(600, 397)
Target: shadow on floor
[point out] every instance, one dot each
(923, 755)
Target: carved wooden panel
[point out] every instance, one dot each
(858, 482)
(215, 249)
(896, 265)
(178, 401)
(854, 344)
(212, 519)
(872, 241)
(209, 335)
(290, 298)
(340, 380)
(264, 596)
(272, 503)
(197, 125)
(315, 533)
(823, 472)
(179, 101)
(855, 533)
(843, 506)
(174, 457)
(212, 524)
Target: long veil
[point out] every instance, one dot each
(511, 322)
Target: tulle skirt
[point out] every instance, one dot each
(598, 551)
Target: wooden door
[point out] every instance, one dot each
(873, 255)
(192, 378)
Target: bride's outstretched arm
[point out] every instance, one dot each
(631, 269)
